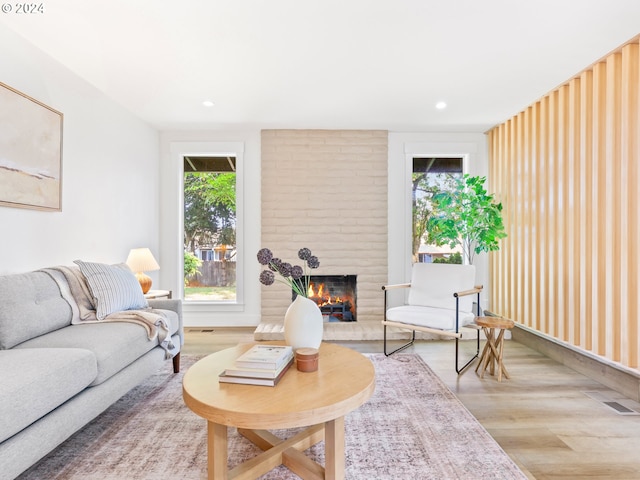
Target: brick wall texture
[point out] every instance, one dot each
(326, 190)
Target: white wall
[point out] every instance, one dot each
(402, 148)
(110, 172)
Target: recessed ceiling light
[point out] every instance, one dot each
(208, 103)
(441, 105)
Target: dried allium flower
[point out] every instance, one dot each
(297, 272)
(285, 269)
(304, 254)
(274, 264)
(267, 277)
(295, 276)
(264, 256)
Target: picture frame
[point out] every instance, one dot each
(30, 152)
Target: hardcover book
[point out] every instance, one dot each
(267, 382)
(237, 371)
(265, 357)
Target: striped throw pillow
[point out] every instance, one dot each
(114, 287)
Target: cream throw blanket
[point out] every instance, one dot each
(74, 289)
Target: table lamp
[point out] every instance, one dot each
(141, 260)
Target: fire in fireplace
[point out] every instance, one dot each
(335, 295)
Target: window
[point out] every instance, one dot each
(429, 176)
(210, 247)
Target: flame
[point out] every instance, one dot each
(317, 293)
(311, 293)
(321, 295)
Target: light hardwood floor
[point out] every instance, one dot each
(550, 419)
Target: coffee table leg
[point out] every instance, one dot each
(216, 451)
(334, 449)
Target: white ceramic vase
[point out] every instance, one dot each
(303, 325)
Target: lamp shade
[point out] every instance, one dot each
(142, 260)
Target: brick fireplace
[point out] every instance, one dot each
(326, 190)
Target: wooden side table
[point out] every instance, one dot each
(491, 356)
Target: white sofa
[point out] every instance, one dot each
(59, 372)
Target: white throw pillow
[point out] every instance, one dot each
(114, 287)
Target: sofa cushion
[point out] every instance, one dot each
(115, 344)
(31, 306)
(114, 287)
(37, 380)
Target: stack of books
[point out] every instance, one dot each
(260, 365)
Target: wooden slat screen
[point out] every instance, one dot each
(566, 170)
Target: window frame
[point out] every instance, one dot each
(461, 158)
(213, 149)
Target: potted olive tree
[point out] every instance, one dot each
(468, 216)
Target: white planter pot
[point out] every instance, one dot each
(303, 325)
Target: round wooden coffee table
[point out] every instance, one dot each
(345, 379)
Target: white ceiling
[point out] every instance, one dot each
(370, 64)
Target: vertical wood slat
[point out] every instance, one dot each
(536, 311)
(505, 267)
(586, 208)
(563, 217)
(527, 173)
(612, 199)
(567, 170)
(552, 213)
(630, 131)
(513, 212)
(504, 259)
(518, 264)
(563, 214)
(599, 165)
(521, 188)
(545, 234)
(573, 153)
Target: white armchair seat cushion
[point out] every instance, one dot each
(438, 318)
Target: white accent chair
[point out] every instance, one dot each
(440, 301)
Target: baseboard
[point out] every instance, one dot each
(617, 377)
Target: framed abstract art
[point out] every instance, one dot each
(30, 152)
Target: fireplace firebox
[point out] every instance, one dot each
(336, 296)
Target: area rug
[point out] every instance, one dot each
(413, 427)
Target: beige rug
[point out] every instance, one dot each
(413, 427)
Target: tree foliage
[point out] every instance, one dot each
(454, 258)
(468, 216)
(209, 209)
(191, 266)
(422, 192)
